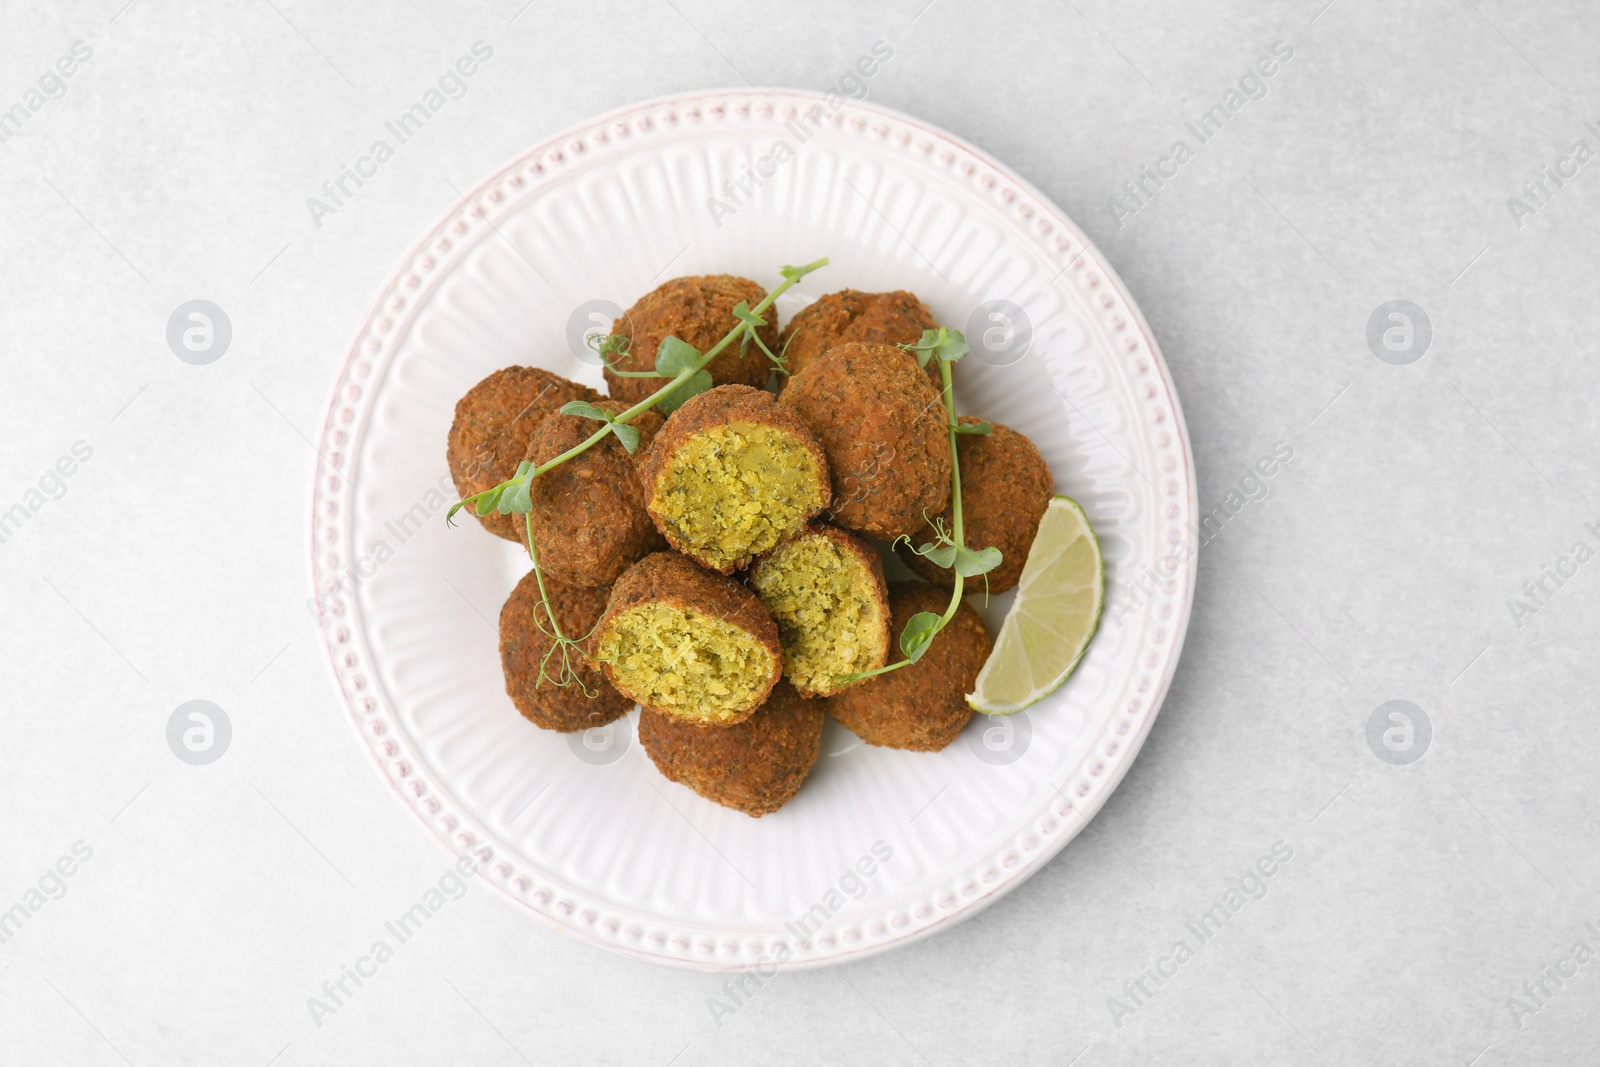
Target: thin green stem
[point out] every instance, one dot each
(862, 676)
(599, 435)
(538, 577)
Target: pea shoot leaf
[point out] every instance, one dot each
(980, 428)
(628, 435)
(516, 500)
(944, 552)
(742, 312)
(510, 496)
(676, 356)
(924, 348)
(970, 564)
(918, 634)
(488, 501)
(698, 383)
(952, 345)
(584, 409)
(949, 345)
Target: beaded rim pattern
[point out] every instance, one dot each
(568, 908)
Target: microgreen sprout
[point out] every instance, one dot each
(948, 345)
(628, 435)
(943, 551)
(752, 321)
(682, 362)
(684, 368)
(948, 549)
(510, 497)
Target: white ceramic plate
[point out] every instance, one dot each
(581, 831)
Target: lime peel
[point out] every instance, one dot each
(1052, 620)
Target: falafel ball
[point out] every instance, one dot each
(848, 315)
(697, 309)
(588, 515)
(1005, 489)
(524, 645)
(731, 474)
(825, 588)
(755, 766)
(882, 426)
(493, 424)
(923, 706)
(688, 642)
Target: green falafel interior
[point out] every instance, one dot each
(825, 588)
(686, 663)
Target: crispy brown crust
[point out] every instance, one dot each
(921, 707)
(493, 424)
(868, 557)
(697, 309)
(677, 581)
(755, 766)
(882, 426)
(718, 407)
(850, 315)
(523, 645)
(1005, 489)
(589, 519)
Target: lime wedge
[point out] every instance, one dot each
(1054, 616)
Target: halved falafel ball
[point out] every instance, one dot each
(588, 515)
(1005, 489)
(882, 426)
(690, 643)
(922, 706)
(697, 309)
(825, 588)
(731, 474)
(525, 644)
(755, 766)
(493, 424)
(849, 315)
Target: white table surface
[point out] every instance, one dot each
(1419, 899)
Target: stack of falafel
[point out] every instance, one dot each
(722, 576)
